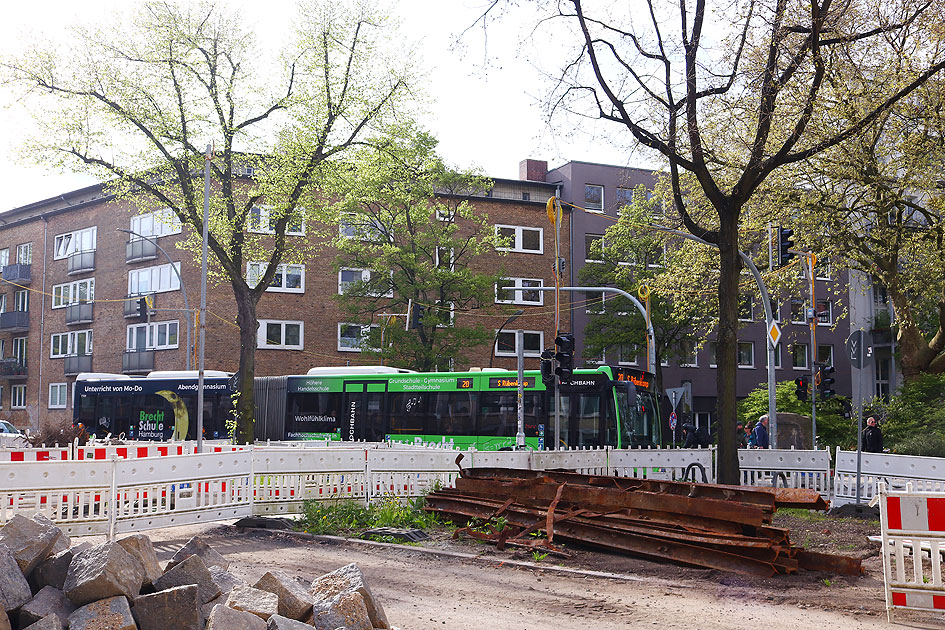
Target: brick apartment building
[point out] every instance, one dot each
(600, 190)
(71, 279)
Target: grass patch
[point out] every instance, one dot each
(347, 517)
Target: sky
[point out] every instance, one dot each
(484, 100)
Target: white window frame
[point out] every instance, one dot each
(829, 312)
(738, 355)
(62, 391)
(69, 243)
(832, 357)
(255, 270)
(514, 351)
(751, 308)
(518, 238)
(587, 249)
(777, 356)
(806, 365)
(58, 291)
(587, 206)
(21, 349)
(259, 222)
(621, 356)
(712, 347)
(694, 355)
(438, 259)
(21, 301)
(518, 290)
(163, 222)
(24, 254)
(71, 341)
(152, 334)
(18, 397)
(4, 257)
(803, 311)
(261, 341)
(161, 272)
(3, 302)
(365, 331)
(366, 275)
(369, 230)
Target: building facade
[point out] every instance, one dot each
(75, 268)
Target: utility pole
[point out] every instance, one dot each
(811, 259)
(203, 294)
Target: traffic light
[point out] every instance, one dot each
(416, 316)
(824, 389)
(143, 306)
(846, 408)
(784, 245)
(547, 366)
(803, 383)
(564, 355)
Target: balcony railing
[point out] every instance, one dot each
(15, 321)
(79, 313)
(18, 274)
(137, 361)
(81, 262)
(12, 368)
(132, 302)
(139, 250)
(77, 364)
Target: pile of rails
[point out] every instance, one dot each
(705, 525)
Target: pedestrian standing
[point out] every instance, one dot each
(872, 437)
(761, 432)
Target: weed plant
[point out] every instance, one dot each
(348, 516)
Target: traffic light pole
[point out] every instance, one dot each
(810, 260)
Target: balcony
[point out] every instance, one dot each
(77, 364)
(131, 309)
(15, 321)
(17, 274)
(12, 369)
(81, 262)
(79, 314)
(140, 250)
(137, 361)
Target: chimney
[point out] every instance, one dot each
(533, 170)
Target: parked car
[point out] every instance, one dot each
(10, 436)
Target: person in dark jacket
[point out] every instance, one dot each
(695, 438)
(741, 435)
(761, 432)
(872, 437)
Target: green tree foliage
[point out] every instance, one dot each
(136, 103)
(913, 421)
(833, 429)
(407, 223)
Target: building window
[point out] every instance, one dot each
(624, 196)
(775, 309)
(822, 269)
(262, 221)
(746, 354)
(3, 302)
(520, 239)
(18, 397)
(78, 292)
(70, 344)
(745, 308)
(797, 311)
(155, 224)
(799, 356)
(351, 337)
(19, 349)
(825, 355)
(74, 242)
(444, 213)
(594, 197)
(777, 357)
(593, 248)
(713, 348)
(364, 228)
(152, 336)
(600, 358)
(158, 279)
(516, 291)
(593, 302)
(21, 301)
(288, 278)
(274, 334)
(444, 258)
(655, 256)
(688, 357)
(627, 354)
(348, 276)
(24, 254)
(4, 257)
(58, 393)
(824, 312)
(532, 343)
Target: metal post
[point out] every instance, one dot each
(859, 431)
(203, 294)
(520, 351)
(811, 259)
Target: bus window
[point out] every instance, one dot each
(313, 416)
(408, 411)
(452, 413)
(498, 414)
(588, 422)
(374, 426)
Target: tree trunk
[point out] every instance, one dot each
(727, 353)
(248, 325)
(915, 352)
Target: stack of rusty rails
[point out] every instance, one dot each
(706, 525)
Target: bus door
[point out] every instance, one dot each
(584, 411)
(362, 411)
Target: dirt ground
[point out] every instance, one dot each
(471, 585)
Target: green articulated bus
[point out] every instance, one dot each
(606, 406)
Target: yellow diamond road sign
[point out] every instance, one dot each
(774, 333)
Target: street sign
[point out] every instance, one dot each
(680, 394)
(860, 348)
(774, 334)
(672, 421)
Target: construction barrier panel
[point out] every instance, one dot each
(809, 469)
(913, 539)
(926, 474)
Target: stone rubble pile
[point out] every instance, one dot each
(47, 584)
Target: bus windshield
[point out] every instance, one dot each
(639, 422)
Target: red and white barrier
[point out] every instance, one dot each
(42, 454)
(913, 535)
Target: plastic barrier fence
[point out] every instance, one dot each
(926, 474)
(786, 469)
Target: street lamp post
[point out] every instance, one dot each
(495, 339)
(179, 279)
